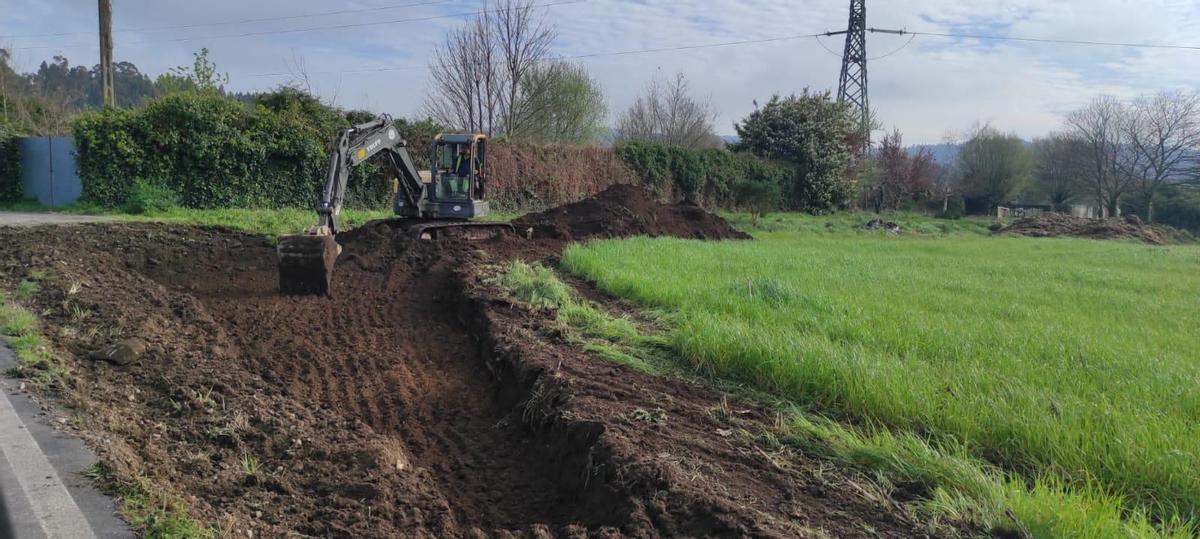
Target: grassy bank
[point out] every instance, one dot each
(1066, 362)
(853, 223)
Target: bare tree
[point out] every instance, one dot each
(1164, 132)
(479, 74)
(668, 114)
(1060, 168)
(462, 93)
(523, 39)
(1102, 126)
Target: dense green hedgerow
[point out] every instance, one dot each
(10, 166)
(217, 152)
(703, 176)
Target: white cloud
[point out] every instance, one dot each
(933, 86)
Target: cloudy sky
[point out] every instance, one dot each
(933, 87)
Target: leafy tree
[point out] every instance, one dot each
(811, 131)
(1180, 207)
(992, 167)
(202, 76)
(565, 104)
(10, 164)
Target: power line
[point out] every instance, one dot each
(691, 47)
(315, 28)
(241, 21)
(581, 56)
(873, 58)
(1049, 40)
(913, 35)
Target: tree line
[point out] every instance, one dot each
(1111, 156)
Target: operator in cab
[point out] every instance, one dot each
(464, 169)
(462, 164)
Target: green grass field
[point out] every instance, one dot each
(1070, 365)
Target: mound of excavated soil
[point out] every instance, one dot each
(1049, 225)
(627, 210)
(412, 403)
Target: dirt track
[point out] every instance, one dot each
(415, 402)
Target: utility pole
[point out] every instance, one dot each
(852, 85)
(106, 53)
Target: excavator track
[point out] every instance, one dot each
(306, 264)
(460, 230)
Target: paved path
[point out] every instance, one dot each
(31, 219)
(42, 491)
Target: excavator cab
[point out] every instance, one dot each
(457, 181)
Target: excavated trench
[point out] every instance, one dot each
(398, 349)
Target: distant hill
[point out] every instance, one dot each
(944, 153)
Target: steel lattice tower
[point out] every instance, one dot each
(852, 88)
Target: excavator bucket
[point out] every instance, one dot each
(306, 264)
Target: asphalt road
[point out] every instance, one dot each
(43, 493)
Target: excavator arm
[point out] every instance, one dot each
(306, 261)
(355, 146)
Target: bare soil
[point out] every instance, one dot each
(1049, 225)
(414, 402)
(627, 210)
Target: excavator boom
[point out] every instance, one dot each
(306, 261)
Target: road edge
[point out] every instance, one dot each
(41, 482)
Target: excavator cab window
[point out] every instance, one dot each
(458, 165)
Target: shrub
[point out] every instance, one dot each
(813, 133)
(10, 166)
(149, 198)
(700, 176)
(758, 197)
(1179, 207)
(217, 152)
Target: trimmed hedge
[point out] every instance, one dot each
(708, 177)
(217, 152)
(10, 166)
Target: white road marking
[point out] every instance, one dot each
(53, 506)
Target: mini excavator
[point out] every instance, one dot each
(429, 205)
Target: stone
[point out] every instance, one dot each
(121, 353)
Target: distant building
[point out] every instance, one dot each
(1086, 211)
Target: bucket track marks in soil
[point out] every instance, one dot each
(389, 351)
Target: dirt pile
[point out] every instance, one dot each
(1056, 224)
(626, 210)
